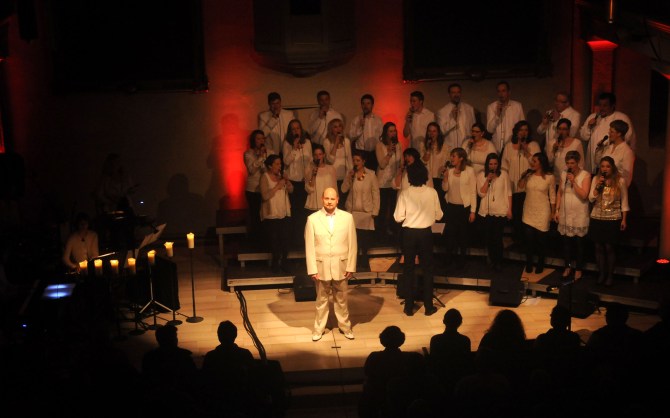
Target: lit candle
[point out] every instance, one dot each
(131, 266)
(168, 248)
(115, 267)
(83, 267)
(151, 255)
(98, 267)
(191, 240)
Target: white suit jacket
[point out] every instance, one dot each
(330, 254)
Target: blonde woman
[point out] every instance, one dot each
(338, 153)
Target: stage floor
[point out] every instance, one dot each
(283, 327)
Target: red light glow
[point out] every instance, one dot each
(662, 261)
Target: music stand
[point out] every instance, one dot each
(150, 239)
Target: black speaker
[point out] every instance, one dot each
(506, 291)
(304, 288)
(577, 298)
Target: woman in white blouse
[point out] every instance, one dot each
(559, 146)
(572, 212)
(275, 189)
(460, 185)
(495, 207)
(538, 208)
(435, 157)
(319, 176)
(389, 156)
(297, 155)
(254, 159)
(362, 202)
(478, 147)
(515, 161)
(338, 154)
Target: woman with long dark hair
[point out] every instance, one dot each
(538, 207)
(389, 157)
(275, 189)
(254, 159)
(495, 207)
(435, 157)
(296, 155)
(609, 196)
(460, 185)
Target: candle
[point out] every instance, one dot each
(98, 267)
(168, 248)
(191, 240)
(151, 255)
(131, 266)
(83, 267)
(115, 267)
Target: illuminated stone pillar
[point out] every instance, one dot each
(602, 67)
(664, 233)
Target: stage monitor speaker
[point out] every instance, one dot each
(506, 291)
(577, 299)
(303, 288)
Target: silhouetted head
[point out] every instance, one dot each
(227, 332)
(166, 336)
(392, 337)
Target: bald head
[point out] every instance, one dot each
(330, 199)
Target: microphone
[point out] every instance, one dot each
(566, 177)
(602, 142)
(471, 141)
(528, 172)
(316, 163)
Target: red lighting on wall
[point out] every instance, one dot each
(598, 44)
(663, 261)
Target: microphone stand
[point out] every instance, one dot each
(193, 319)
(173, 284)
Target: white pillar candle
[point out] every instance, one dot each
(168, 248)
(191, 240)
(83, 267)
(115, 267)
(151, 255)
(131, 266)
(98, 267)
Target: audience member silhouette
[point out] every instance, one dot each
(390, 368)
(451, 356)
(506, 338)
(227, 371)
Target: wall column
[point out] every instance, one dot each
(602, 67)
(664, 233)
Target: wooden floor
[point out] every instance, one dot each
(284, 326)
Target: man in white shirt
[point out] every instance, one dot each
(365, 131)
(596, 129)
(274, 123)
(561, 110)
(417, 208)
(455, 118)
(416, 122)
(318, 120)
(330, 254)
(502, 115)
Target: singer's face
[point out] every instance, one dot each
(605, 168)
(318, 154)
(358, 161)
(275, 168)
(605, 108)
(572, 165)
(455, 160)
(493, 165)
(324, 101)
(296, 129)
(455, 94)
(392, 132)
(523, 131)
(366, 105)
(534, 163)
(409, 159)
(415, 104)
(259, 140)
(432, 132)
(275, 106)
(562, 130)
(614, 134)
(476, 133)
(502, 92)
(336, 129)
(561, 102)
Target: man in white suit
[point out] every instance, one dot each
(330, 252)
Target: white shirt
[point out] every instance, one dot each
(416, 130)
(274, 128)
(342, 160)
(318, 127)
(495, 202)
(417, 207)
(595, 135)
(366, 137)
(624, 159)
(501, 126)
(296, 161)
(456, 130)
(549, 131)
